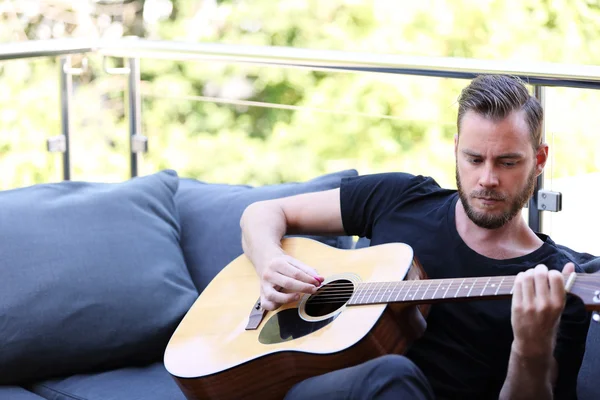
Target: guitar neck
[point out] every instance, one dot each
(426, 291)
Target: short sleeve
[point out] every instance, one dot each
(365, 199)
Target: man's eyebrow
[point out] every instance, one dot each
(511, 155)
(472, 153)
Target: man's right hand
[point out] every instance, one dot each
(283, 279)
(265, 223)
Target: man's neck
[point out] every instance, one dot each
(512, 240)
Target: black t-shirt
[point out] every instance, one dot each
(465, 350)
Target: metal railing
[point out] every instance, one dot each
(539, 75)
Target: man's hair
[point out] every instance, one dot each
(496, 96)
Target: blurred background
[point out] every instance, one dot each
(234, 123)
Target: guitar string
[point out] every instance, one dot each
(442, 282)
(345, 300)
(586, 277)
(365, 293)
(339, 298)
(391, 292)
(403, 286)
(392, 295)
(452, 286)
(424, 288)
(414, 299)
(349, 291)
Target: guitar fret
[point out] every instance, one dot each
(418, 285)
(399, 290)
(392, 291)
(438, 288)
(406, 294)
(367, 293)
(371, 292)
(376, 292)
(365, 290)
(396, 291)
(426, 291)
(456, 294)
(377, 298)
(385, 295)
(355, 295)
(485, 287)
(472, 286)
(379, 285)
(431, 289)
(446, 292)
(499, 285)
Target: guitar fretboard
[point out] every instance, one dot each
(418, 291)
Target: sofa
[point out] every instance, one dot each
(97, 276)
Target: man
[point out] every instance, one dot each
(481, 349)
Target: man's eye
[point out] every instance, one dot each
(474, 160)
(509, 164)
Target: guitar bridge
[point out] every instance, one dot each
(256, 316)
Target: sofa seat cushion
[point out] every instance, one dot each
(588, 388)
(150, 382)
(210, 219)
(587, 385)
(92, 276)
(17, 393)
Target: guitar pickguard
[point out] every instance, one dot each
(287, 325)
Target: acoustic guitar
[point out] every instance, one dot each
(227, 347)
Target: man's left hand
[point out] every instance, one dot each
(537, 303)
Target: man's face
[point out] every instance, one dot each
(496, 167)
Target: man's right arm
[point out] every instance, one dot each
(263, 226)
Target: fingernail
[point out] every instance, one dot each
(319, 278)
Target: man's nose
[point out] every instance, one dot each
(489, 177)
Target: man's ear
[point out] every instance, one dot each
(541, 157)
(455, 144)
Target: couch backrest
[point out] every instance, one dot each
(210, 219)
(588, 386)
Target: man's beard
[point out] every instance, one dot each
(490, 221)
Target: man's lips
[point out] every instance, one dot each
(489, 200)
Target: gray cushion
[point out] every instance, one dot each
(588, 262)
(17, 393)
(588, 387)
(362, 243)
(210, 219)
(92, 276)
(151, 382)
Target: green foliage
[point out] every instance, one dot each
(325, 120)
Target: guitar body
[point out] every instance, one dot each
(212, 355)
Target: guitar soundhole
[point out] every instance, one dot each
(329, 298)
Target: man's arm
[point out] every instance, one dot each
(265, 223)
(537, 304)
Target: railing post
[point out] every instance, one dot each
(137, 142)
(66, 88)
(535, 214)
